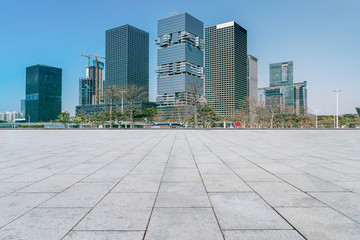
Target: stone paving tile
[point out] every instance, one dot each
(55, 183)
(351, 186)
(105, 235)
(181, 174)
(345, 202)
(308, 183)
(182, 194)
(80, 195)
(255, 175)
(281, 194)
(224, 183)
(9, 187)
(183, 223)
(43, 223)
(245, 211)
(139, 183)
(14, 205)
(321, 223)
(83, 169)
(262, 235)
(120, 211)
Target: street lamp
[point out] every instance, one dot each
(337, 107)
(316, 117)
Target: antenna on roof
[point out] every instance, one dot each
(173, 13)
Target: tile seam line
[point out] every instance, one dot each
(157, 193)
(249, 185)
(207, 193)
(161, 139)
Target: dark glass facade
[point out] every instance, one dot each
(43, 93)
(300, 98)
(127, 57)
(226, 84)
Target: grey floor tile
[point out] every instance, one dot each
(245, 211)
(181, 174)
(120, 211)
(80, 195)
(184, 224)
(321, 223)
(9, 187)
(43, 223)
(262, 235)
(224, 183)
(255, 174)
(182, 194)
(139, 183)
(345, 202)
(14, 205)
(281, 194)
(105, 235)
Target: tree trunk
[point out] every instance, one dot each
(195, 117)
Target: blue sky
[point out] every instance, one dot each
(322, 37)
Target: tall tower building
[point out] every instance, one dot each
(180, 63)
(226, 81)
(43, 93)
(87, 89)
(252, 74)
(300, 98)
(127, 57)
(281, 75)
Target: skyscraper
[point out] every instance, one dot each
(127, 57)
(300, 98)
(281, 74)
(252, 74)
(87, 85)
(180, 63)
(43, 93)
(226, 83)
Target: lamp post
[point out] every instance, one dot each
(316, 118)
(337, 107)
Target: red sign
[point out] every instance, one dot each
(237, 124)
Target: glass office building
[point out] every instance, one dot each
(127, 57)
(43, 93)
(226, 81)
(300, 98)
(180, 63)
(281, 74)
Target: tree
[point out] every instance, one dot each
(207, 115)
(150, 113)
(134, 94)
(63, 118)
(195, 93)
(112, 95)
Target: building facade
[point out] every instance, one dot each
(226, 81)
(43, 93)
(272, 98)
(127, 57)
(300, 98)
(91, 87)
(282, 74)
(180, 64)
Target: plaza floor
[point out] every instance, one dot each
(180, 184)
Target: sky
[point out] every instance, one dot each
(322, 37)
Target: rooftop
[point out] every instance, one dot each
(179, 184)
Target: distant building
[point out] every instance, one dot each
(23, 106)
(127, 57)
(252, 75)
(88, 85)
(358, 110)
(226, 82)
(11, 116)
(273, 98)
(91, 109)
(180, 64)
(300, 98)
(281, 74)
(43, 93)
